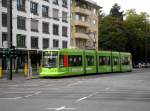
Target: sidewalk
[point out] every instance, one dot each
(19, 75)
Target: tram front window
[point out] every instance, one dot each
(50, 59)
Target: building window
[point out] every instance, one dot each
(21, 22)
(55, 14)
(94, 22)
(4, 19)
(79, 29)
(55, 2)
(55, 43)
(94, 11)
(45, 43)
(77, 17)
(45, 27)
(34, 42)
(34, 8)
(64, 31)
(82, 18)
(21, 41)
(45, 10)
(55, 29)
(34, 25)
(64, 44)
(4, 3)
(4, 39)
(64, 17)
(64, 3)
(21, 5)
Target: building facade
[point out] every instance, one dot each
(37, 25)
(84, 24)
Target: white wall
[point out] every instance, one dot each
(40, 34)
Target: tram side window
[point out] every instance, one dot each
(90, 60)
(104, 60)
(116, 60)
(61, 61)
(125, 61)
(75, 60)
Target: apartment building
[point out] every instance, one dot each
(84, 24)
(37, 25)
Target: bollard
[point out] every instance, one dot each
(1, 72)
(25, 70)
(30, 71)
(29, 75)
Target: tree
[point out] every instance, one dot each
(130, 34)
(111, 31)
(115, 11)
(137, 26)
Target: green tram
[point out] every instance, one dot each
(73, 61)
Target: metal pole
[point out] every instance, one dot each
(28, 65)
(145, 42)
(94, 42)
(9, 30)
(146, 49)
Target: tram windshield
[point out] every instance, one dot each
(50, 59)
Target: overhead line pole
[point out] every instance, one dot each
(146, 42)
(9, 31)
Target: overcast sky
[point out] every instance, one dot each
(139, 5)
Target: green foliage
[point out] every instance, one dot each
(115, 11)
(125, 35)
(111, 34)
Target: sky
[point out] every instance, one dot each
(139, 5)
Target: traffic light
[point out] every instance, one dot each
(9, 52)
(12, 51)
(6, 52)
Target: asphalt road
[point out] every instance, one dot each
(102, 92)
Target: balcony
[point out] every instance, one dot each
(81, 35)
(94, 29)
(81, 10)
(81, 23)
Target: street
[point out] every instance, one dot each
(128, 91)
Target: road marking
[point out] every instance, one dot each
(61, 108)
(49, 85)
(16, 98)
(127, 98)
(73, 84)
(107, 88)
(23, 85)
(78, 100)
(37, 93)
(17, 92)
(82, 99)
(16, 85)
(28, 95)
(43, 81)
